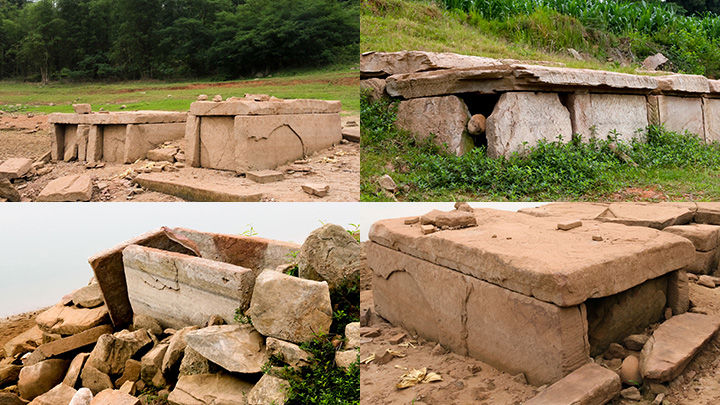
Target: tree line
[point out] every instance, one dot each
(47, 40)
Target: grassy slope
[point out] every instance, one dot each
(330, 84)
(392, 25)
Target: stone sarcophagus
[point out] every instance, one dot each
(522, 295)
(118, 137)
(182, 277)
(256, 133)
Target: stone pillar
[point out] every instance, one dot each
(192, 140)
(95, 144)
(58, 142)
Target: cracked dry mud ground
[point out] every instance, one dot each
(29, 136)
(470, 381)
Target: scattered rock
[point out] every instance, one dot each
(387, 183)
(351, 134)
(566, 226)
(83, 396)
(215, 320)
(76, 187)
(208, 389)
(114, 397)
(88, 297)
(202, 97)
(151, 363)
(290, 308)
(128, 387)
(397, 338)
(175, 351)
(15, 168)
(236, 348)
(658, 399)
(112, 351)
(76, 365)
(40, 378)
(635, 342)
(476, 124)
(653, 62)
(8, 191)
(706, 281)
(331, 254)
(194, 363)
(265, 176)
(60, 394)
(269, 390)
(427, 229)
(162, 154)
(82, 108)
(218, 98)
(630, 371)
(413, 220)
(631, 393)
(9, 374)
(457, 219)
(316, 189)
(575, 54)
(94, 379)
(615, 351)
(131, 372)
(141, 321)
(345, 358)
(590, 384)
(463, 206)
(24, 342)
(8, 398)
(290, 353)
(352, 335)
(375, 88)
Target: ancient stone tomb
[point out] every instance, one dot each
(468, 101)
(119, 137)
(182, 277)
(259, 132)
(530, 294)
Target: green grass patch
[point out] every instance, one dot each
(674, 166)
(334, 83)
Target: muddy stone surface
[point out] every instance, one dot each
(29, 136)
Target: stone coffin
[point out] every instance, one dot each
(181, 290)
(523, 296)
(598, 115)
(251, 253)
(677, 114)
(119, 137)
(245, 134)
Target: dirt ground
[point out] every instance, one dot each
(469, 381)
(28, 135)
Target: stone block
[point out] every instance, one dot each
(678, 294)
(65, 320)
(265, 176)
(704, 237)
(599, 115)
(678, 114)
(351, 134)
(391, 63)
(75, 187)
(141, 139)
(711, 107)
(60, 394)
(76, 365)
(14, 168)
(591, 384)
(209, 388)
(82, 108)
(479, 319)
(703, 262)
(521, 118)
(74, 342)
(180, 290)
(236, 348)
(444, 117)
(193, 190)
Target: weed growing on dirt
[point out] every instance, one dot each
(550, 170)
(345, 300)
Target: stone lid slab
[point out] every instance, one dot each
(531, 256)
(515, 77)
(679, 83)
(118, 118)
(390, 63)
(252, 107)
(704, 237)
(590, 384)
(652, 215)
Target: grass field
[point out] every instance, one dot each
(339, 83)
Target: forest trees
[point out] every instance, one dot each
(141, 39)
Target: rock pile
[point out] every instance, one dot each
(78, 355)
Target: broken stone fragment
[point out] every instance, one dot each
(268, 390)
(76, 365)
(95, 379)
(387, 183)
(69, 321)
(60, 394)
(71, 343)
(40, 378)
(265, 176)
(630, 371)
(427, 229)
(9, 374)
(162, 154)
(568, 225)
(316, 189)
(112, 351)
(151, 363)
(445, 117)
(83, 396)
(706, 281)
(653, 62)
(175, 350)
(141, 321)
(352, 335)
(674, 343)
(413, 220)
(290, 308)
(589, 384)
(115, 397)
(635, 342)
(457, 219)
(75, 187)
(8, 191)
(193, 363)
(331, 254)
(24, 342)
(704, 237)
(202, 97)
(131, 372)
(15, 168)
(208, 389)
(288, 352)
(88, 297)
(345, 358)
(374, 88)
(82, 108)
(351, 134)
(236, 348)
(218, 98)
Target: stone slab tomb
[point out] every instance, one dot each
(534, 102)
(522, 295)
(182, 277)
(257, 133)
(118, 137)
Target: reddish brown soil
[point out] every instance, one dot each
(639, 194)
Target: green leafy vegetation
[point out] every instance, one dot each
(241, 318)
(674, 166)
(77, 40)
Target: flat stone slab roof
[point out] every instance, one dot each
(653, 215)
(531, 256)
(240, 106)
(118, 117)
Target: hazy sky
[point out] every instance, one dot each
(44, 247)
